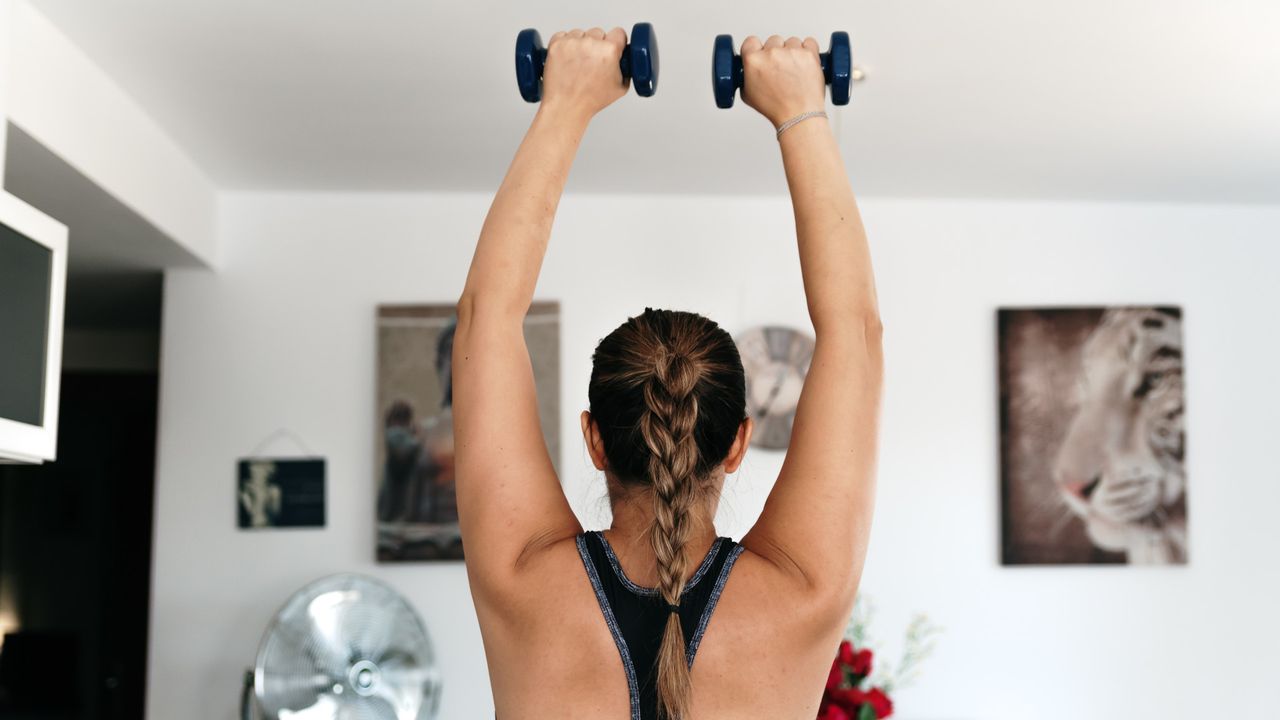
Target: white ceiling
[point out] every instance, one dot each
(1099, 99)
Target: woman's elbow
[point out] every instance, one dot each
(863, 326)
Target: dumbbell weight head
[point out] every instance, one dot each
(640, 59)
(530, 56)
(726, 71)
(837, 67)
(639, 62)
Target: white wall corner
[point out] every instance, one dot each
(59, 96)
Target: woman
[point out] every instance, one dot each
(608, 625)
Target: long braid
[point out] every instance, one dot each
(668, 430)
(668, 395)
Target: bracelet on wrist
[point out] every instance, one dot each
(800, 118)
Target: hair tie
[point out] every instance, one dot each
(673, 608)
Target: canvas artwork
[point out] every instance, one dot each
(1092, 439)
(417, 510)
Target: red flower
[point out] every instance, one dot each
(849, 698)
(836, 677)
(861, 662)
(858, 661)
(833, 712)
(879, 702)
(845, 653)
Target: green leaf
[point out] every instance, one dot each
(867, 712)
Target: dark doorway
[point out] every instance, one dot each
(75, 557)
(75, 534)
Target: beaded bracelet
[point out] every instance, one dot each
(799, 118)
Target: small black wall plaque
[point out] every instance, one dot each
(280, 492)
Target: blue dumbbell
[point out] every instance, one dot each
(726, 69)
(639, 62)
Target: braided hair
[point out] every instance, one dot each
(668, 395)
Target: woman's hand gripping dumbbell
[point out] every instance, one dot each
(727, 67)
(635, 61)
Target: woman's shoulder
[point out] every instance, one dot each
(778, 593)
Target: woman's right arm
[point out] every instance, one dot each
(817, 520)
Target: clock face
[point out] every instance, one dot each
(776, 360)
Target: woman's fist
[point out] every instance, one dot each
(782, 79)
(582, 72)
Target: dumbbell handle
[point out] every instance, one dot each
(825, 58)
(624, 63)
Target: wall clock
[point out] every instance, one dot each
(776, 360)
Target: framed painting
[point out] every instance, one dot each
(417, 510)
(1092, 444)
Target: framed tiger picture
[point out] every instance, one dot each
(1092, 445)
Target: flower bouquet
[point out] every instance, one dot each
(851, 692)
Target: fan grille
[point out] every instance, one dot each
(347, 647)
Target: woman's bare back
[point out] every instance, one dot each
(765, 651)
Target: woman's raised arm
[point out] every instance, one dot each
(817, 520)
(509, 499)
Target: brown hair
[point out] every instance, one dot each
(668, 394)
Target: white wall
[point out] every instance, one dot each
(60, 97)
(6, 45)
(282, 336)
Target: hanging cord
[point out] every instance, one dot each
(286, 434)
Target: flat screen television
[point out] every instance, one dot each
(33, 273)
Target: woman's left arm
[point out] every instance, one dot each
(510, 502)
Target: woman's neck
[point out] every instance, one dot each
(628, 535)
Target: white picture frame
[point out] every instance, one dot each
(21, 442)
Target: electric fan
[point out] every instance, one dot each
(345, 647)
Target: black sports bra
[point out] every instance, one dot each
(637, 615)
